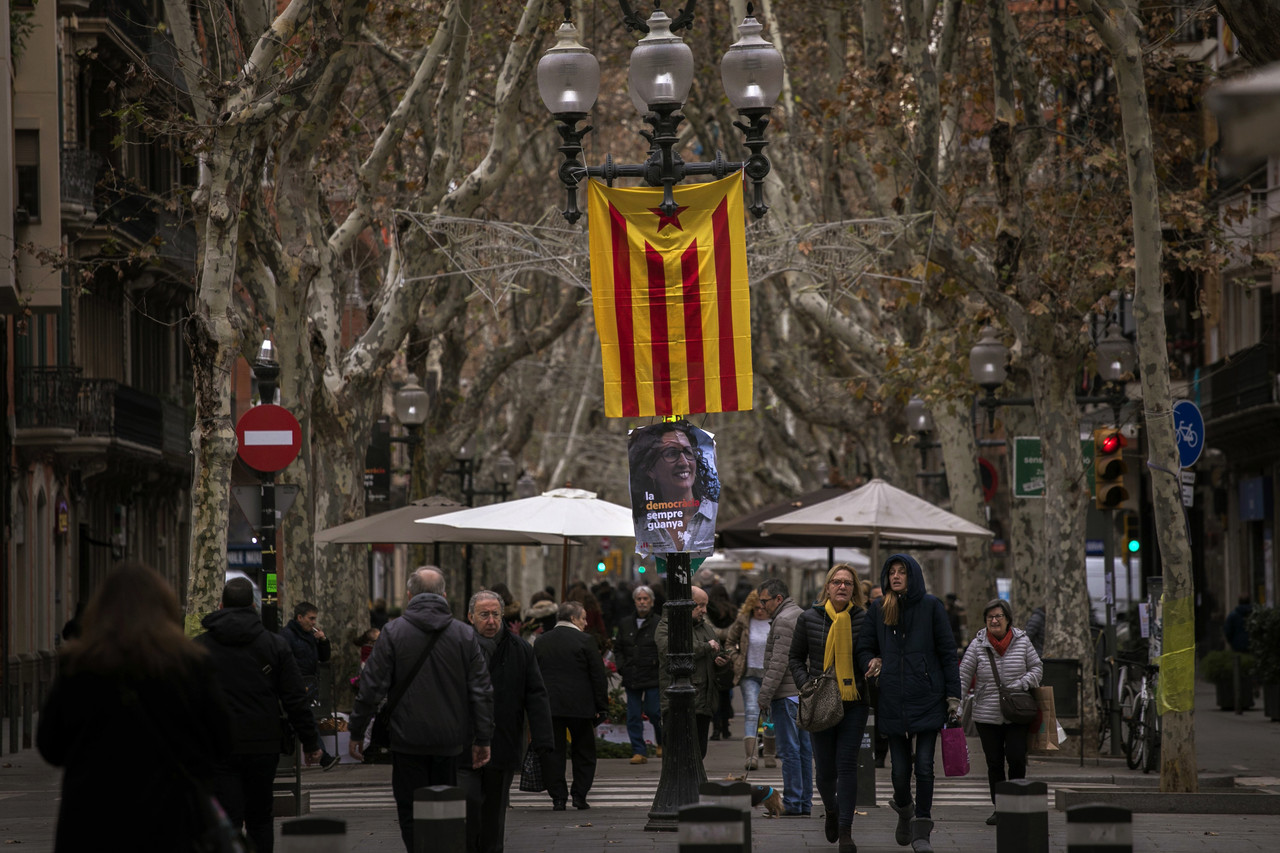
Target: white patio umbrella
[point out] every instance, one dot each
(800, 558)
(397, 527)
(878, 510)
(562, 513)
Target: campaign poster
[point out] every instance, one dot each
(675, 489)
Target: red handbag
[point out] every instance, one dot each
(955, 751)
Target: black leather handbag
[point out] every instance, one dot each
(1017, 706)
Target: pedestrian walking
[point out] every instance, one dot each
(448, 705)
(1035, 629)
(824, 638)
(257, 672)
(518, 695)
(1009, 650)
(578, 689)
(780, 699)
(635, 652)
(745, 646)
(310, 649)
(906, 643)
(131, 677)
(1236, 628)
(706, 648)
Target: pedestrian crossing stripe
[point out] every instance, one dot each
(639, 794)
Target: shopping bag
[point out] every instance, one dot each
(531, 772)
(967, 722)
(955, 751)
(1043, 731)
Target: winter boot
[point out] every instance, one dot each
(749, 747)
(770, 750)
(846, 840)
(921, 827)
(902, 834)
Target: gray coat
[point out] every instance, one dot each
(777, 682)
(1020, 669)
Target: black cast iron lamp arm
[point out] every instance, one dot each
(660, 76)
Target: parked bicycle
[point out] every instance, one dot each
(1103, 694)
(1142, 741)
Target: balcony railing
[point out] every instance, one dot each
(45, 397)
(58, 398)
(79, 175)
(1243, 381)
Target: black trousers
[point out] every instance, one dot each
(243, 785)
(488, 791)
(1001, 744)
(702, 724)
(411, 772)
(580, 745)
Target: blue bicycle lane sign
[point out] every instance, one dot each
(1189, 425)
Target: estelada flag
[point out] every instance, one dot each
(671, 300)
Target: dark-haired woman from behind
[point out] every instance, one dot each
(136, 720)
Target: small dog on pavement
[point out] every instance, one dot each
(770, 796)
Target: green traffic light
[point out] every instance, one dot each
(1134, 546)
(640, 569)
(600, 566)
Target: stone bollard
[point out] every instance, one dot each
(313, 835)
(733, 795)
(867, 765)
(1022, 817)
(1098, 828)
(710, 829)
(439, 819)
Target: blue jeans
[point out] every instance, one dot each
(900, 754)
(750, 687)
(835, 755)
(796, 755)
(640, 701)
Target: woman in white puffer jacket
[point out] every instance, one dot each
(1020, 669)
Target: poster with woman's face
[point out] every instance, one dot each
(674, 488)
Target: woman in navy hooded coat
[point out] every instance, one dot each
(906, 643)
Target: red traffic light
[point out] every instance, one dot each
(1110, 443)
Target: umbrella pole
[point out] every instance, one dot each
(875, 556)
(564, 569)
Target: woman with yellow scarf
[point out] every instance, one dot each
(824, 638)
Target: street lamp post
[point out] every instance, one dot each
(266, 370)
(504, 472)
(660, 75)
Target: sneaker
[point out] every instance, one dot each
(991, 821)
(328, 762)
(639, 759)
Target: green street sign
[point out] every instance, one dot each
(1028, 466)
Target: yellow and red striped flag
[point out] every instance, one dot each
(671, 300)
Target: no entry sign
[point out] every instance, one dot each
(269, 438)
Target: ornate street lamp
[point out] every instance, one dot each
(411, 404)
(659, 78)
(920, 422)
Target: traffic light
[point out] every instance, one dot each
(1132, 542)
(1109, 468)
(602, 566)
(640, 568)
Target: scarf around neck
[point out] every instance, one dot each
(839, 650)
(1001, 646)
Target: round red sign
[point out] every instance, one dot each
(269, 438)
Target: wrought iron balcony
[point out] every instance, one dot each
(79, 176)
(1245, 380)
(45, 398)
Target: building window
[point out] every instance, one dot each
(26, 161)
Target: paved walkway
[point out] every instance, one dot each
(1245, 746)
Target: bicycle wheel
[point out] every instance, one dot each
(1151, 738)
(1128, 696)
(1135, 741)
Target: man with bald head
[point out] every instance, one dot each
(705, 649)
(446, 707)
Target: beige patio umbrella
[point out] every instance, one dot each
(397, 527)
(877, 510)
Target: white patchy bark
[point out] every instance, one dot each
(1118, 25)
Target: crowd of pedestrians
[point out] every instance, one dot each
(510, 685)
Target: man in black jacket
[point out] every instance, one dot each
(258, 674)
(517, 691)
(635, 651)
(578, 688)
(310, 649)
(447, 705)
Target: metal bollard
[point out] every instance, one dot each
(439, 819)
(1098, 828)
(710, 829)
(313, 835)
(1022, 817)
(867, 765)
(733, 795)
